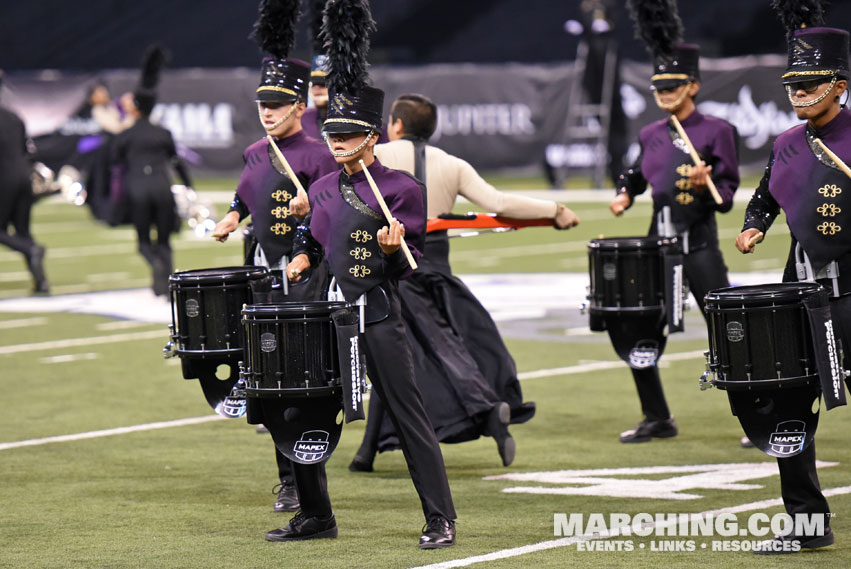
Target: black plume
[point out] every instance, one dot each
(317, 9)
(274, 30)
(345, 35)
(657, 24)
(796, 14)
(153, 63)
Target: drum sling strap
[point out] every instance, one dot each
(828, 360)
(672, 263)
(351, 368)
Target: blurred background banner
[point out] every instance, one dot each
(497, 116)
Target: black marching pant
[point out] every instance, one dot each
(705, 271)
(390, 368)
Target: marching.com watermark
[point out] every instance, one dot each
(599, 529)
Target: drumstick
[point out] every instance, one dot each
(709, 183)
(834, 157)
(755, 239)
(286, 164)
(386, 211)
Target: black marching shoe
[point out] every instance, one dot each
(301, 527)
(360, 464)
(647, 430)
(438, 533)
(287, 498)
(784, 544)
(35, 263)
(498, 419)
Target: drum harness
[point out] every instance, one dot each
(804, 270)
(665, 228)
(281, 265)
(334, 293)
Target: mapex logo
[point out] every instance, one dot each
(644, 354)
(789, 437)
(192, 308)
(735, 331)
(312, 446)
(268, 342)
(610, 271)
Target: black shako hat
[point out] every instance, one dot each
(816, 52)
(353, 105)
(676, 68)
(319, 64)
(282, 79)
(319, 70)
(355, 112)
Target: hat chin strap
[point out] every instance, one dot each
(350, 152)
(814, 101)
(278, 122)
(670, 107)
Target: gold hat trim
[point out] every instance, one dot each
(821, 72)
(281, 89)
(663, 76)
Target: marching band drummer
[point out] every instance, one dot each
(265, 189)
(807, 183)
(366, 256)
(679, 186)
(466, 374)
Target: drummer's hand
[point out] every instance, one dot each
(300, 204)
(565, 218)
(390, 238)
(747, 239)
(620, 203)
(297, 267)
(226, 226)
(700, 175)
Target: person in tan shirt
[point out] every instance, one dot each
(463, 369)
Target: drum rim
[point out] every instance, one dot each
(296, 308)
(791, 293)
(234, 273)
(629, 243)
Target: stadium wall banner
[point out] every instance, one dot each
(494, 116)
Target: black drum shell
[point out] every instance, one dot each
(626, 274)
(759, 336)
(291, 349)
(206, 305)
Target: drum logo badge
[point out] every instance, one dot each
(312, 446)
(788, 437)
(268, 342)
(644, 354)
(192, 308)
(735, 331)
(610, 271)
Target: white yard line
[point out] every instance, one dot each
(76, 342)
(569, 541)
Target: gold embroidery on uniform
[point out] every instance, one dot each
(361, 236)
(684, 198)
(684, 170)
(280, 229)
(828, 209)
(282, 196)
(360, 253)
(281, 212)
(829, 228)
(683, 184)
(830, 190)
(359, 271)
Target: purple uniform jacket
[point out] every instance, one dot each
(265, 189)
(813, 192)
(346, 217)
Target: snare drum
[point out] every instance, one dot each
(291, 349)
(627, 274)
(205, 309)
(759, 336)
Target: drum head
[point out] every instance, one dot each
(218, 275)
(625, 243)
(779, 422)
(760, 295)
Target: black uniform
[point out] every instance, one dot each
(16, 195)
(146, 152)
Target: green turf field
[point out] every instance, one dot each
(199, 495)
